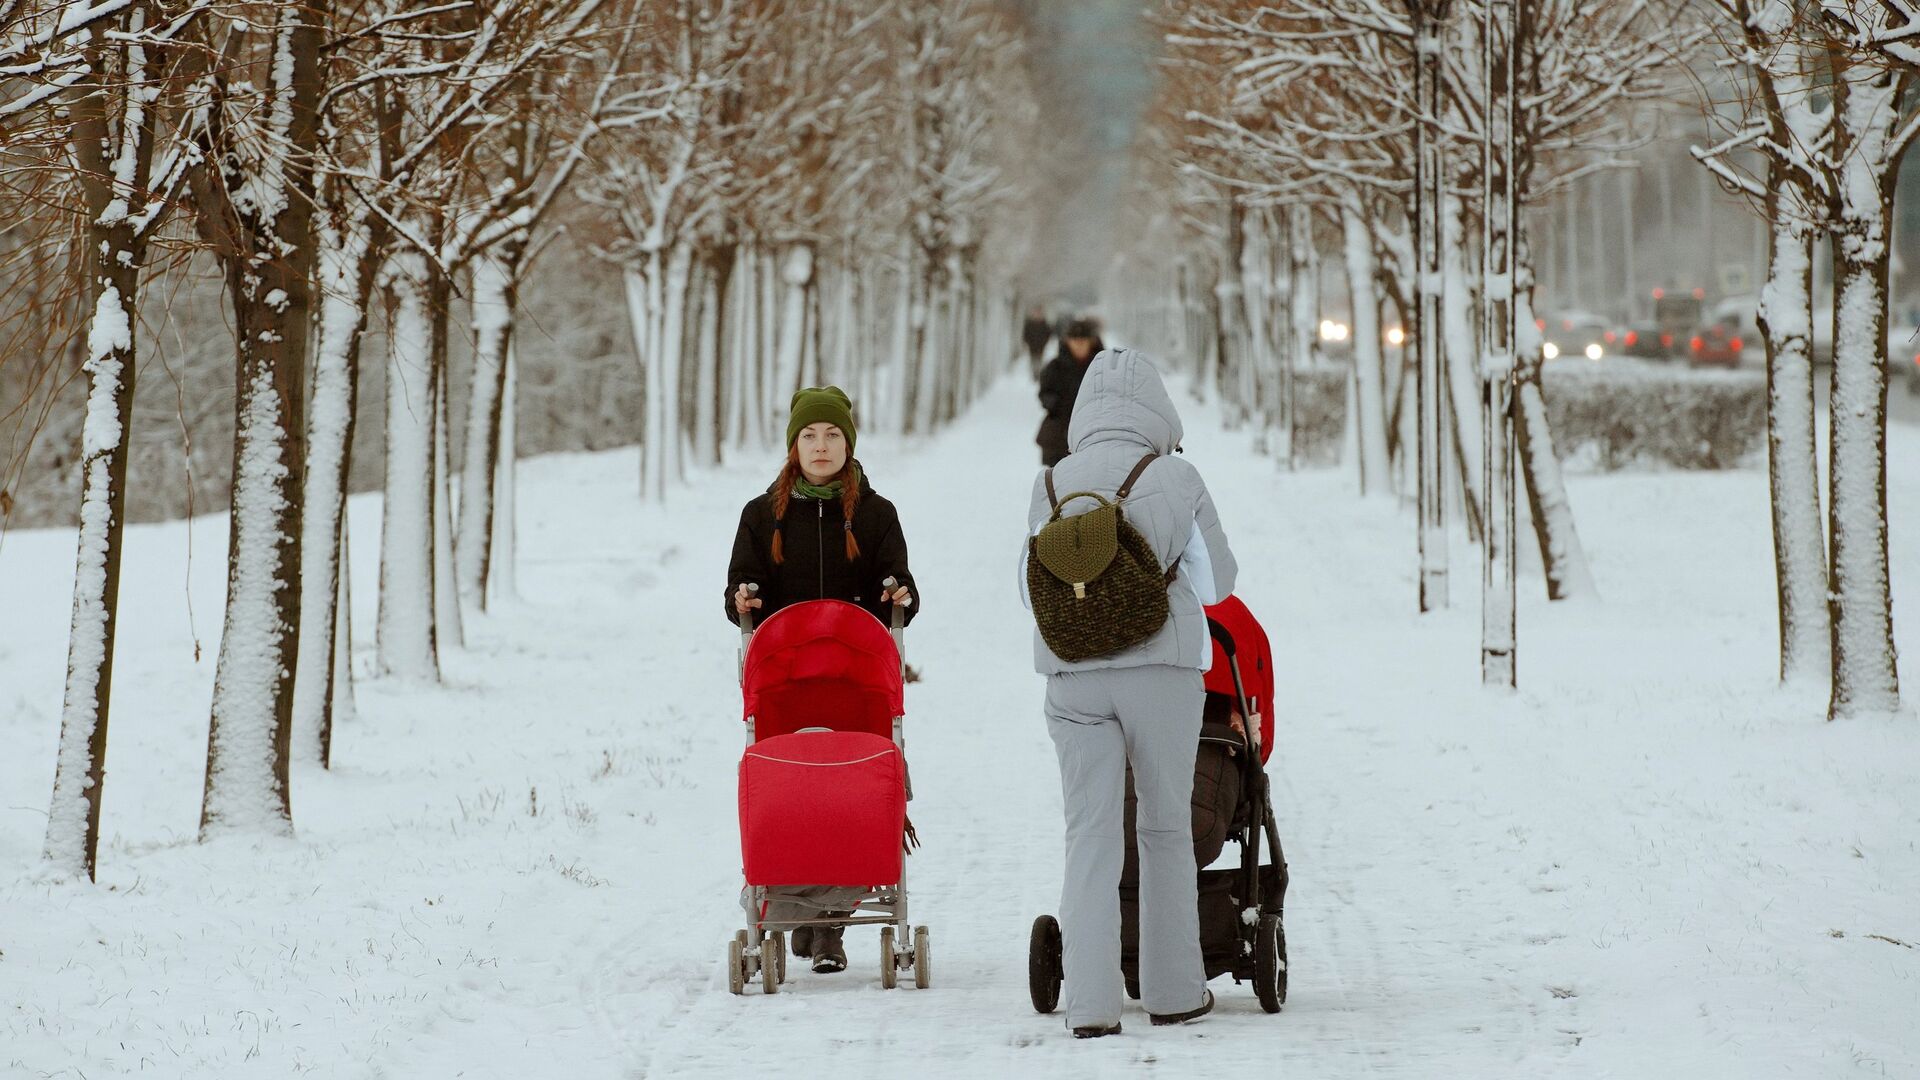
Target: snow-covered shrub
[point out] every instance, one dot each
(1625, 414)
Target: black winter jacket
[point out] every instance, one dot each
(1059, 386)
(816, 566)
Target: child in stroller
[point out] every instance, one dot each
(1241, 929)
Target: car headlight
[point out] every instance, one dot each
(1550, 351)
(1594, 351)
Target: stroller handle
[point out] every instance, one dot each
(1220, 635)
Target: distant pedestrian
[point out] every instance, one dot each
(1036, 332)
(1060, 385)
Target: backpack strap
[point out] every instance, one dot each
(1126, 488)
(1052, 499)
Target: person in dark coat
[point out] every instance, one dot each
(820, 532)
(1060, 385)
(1035, 334)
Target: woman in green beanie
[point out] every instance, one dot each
(820, 533)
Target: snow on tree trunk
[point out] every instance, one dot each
(1371, 404)
(1860, 603)
(643, 304)
(446, 597)
(743, 402)
(1561, 555)
(404, 638)
(494, 280)
(1235, 343)
(1262, 361)
(73, 818)
(259, 218)
(706, 394)
(1799, 538)
(346, 284)
(1462, 362)
(115, 129)
(673, 346)
(502, 582)
(796, 274)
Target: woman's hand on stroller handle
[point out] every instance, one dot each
(745, 598)
(896, 593)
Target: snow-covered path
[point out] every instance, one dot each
(1648, 862)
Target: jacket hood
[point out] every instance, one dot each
(1123, 399)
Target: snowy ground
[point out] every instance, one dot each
(1648, 863)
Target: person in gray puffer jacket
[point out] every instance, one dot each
(1139, 707)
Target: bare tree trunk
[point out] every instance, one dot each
(502, 578)
(495, 285)
(1860, 602)
(405, 636)
(446, 597)
(266, 245)
(1462, 362)
(1371, 404)
(115, 160)
(346, 284)
(1561, 555)
(1799, 540)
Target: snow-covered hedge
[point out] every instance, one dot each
(1630, 414)
(1614, 415)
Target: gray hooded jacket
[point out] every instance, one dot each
(1122, 414)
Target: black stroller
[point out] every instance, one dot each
(1241, 928)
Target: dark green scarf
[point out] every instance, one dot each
(829, 493)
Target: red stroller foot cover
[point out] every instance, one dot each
(822, 808)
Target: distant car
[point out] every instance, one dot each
(1674, 319)
(1714, 346)
(1903, 356)
(1574, 335)
(1638, 339)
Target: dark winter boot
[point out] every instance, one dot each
(802, 941)
(829, 955)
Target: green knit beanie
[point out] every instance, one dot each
(817, 404)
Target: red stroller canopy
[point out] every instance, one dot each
(1256, 663)
(822, 663)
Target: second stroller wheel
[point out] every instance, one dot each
(889, 963)
(736, 967)
(770, 961)
(1270, 963)
(777, 941)
(1044, 973)
(922, 959)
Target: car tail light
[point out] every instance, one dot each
(1916, 359)
(1659, 293)
(1734, 344)
(1666, 341)
(1539, 324)
(1699, 294)
(1696, 344)
(1610, 335)
(1633, 337)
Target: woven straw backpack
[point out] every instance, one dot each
(1096, 585)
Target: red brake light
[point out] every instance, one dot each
(1666, 341)
(1696, 343)
(1734, 344)
(1659, 293)
(1539, 324)
(1699, 294)
(1609, 336)
(1916, 360)
(1633, 336)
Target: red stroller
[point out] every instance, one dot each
(823, 789)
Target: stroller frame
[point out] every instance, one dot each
(761, 948)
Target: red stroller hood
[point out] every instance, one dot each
(1256, 664)
(822, 663)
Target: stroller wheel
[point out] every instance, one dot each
(777, 942)
(1270, 963)
(736, 966)
(1044, 973)
(889, 963)
(922, 960)
(771, 945)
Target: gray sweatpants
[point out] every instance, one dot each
(1100, 722)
